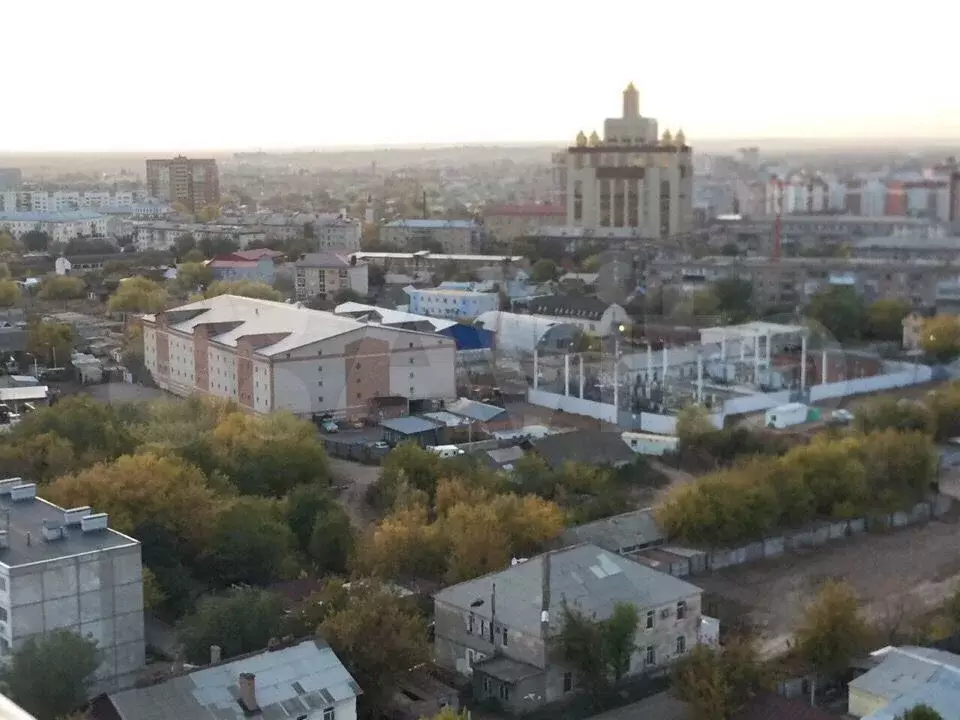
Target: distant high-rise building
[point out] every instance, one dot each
(10, 178)
(192, 182)
(631, 179)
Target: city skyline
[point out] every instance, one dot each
(305, 76)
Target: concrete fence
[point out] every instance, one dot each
(818, 535)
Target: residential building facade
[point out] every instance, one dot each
(429, 262)
(252, 265)
(453, 236)
(162, 234)
(55, 201)
(501, 629)
(506, 223)
(192, 182)
(66, 568)
(341, 233)
(10, 178)
(324, 274)
(631, 178)
(60, 226)
(451, 303)
(270, 356)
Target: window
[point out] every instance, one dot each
(470, 622)
(411, 361)
(329, 714)
(651, 656)
(504, 692)
(319, 383)
(650, 619)
(503, 633)
(567, 682)
(681, 610)
(320, 399)
(681, 645)
(486, 685)
(3, 614)
(483, 628)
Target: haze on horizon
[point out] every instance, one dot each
(104, 76)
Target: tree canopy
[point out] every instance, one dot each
(139, 295)
(832, 630)
(717, 682)
(62, 287)
(50, 673)
(940, 337)
(50, 342)
(840, 310)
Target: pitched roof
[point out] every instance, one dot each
(590, 447)
(591, 308)
(290, 682)
(232, 317)
(475, 410)
(910, 675)
(619, 533)
(432, 224)
(410, 425)
(586, 577)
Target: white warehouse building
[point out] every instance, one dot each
(67, 569)
(270, 356)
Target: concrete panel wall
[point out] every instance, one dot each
(574, 405)
(97, 595)
(913, 376)
(754, 403)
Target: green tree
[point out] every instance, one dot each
(543, 271)
(885, 319)
(348, 295)
(378, 636)
(7, 243)
(92, 428)
(190, 275)
(269, 455)
(208, 213)
(249, 544)
(243, 288)
(50, 342)
(920, 712)
(50, 673)
(832, 630)
(941, 337)
(139, 295)
(840, 310)
(184, 244)
(62, 287)
(244, 620)
(320, 527)
(35, 241)
(9, 293)
(884, 413)
(599, 649)
(734, 298)
(717, 682)
(411, 464)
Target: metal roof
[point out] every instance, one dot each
(409, 425)
(620, 532)
(66, 216)
(22, 394)
(290, 682)
(390, 317)
(585, 576)
(475, 410)
(432, 224)
(909, 675)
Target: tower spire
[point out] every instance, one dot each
(631, 102)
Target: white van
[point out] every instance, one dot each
(446, 451)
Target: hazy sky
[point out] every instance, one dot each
(186, 74)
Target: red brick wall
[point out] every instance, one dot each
(367, 373)
(245, 372)
(201, 357)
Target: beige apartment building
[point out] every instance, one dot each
(631, 178)
(324, 274)
(193, 182)
(506, 223)
(452, 236)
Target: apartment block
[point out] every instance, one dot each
(66, 568)
(324, 274)
(190, 181)
(453, 236)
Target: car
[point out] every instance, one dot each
(381, 445)
(842, 416)
(330, 426)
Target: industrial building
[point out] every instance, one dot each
(270, 356)
(453, 236)
(515, 333)
(467, 337)
(66, 568)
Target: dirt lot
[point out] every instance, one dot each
(354, 479)
(900, 573)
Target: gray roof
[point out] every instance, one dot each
(323, 260)
(409, 425)
(584, 576)
(289, 682)
(507, 455)
(25, 533)
(620, 533)
(589, 447)
(896, 242)
(906, 670)
(481, 412)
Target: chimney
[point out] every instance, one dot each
(247, 684)
(215, 653)
(545, 600)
